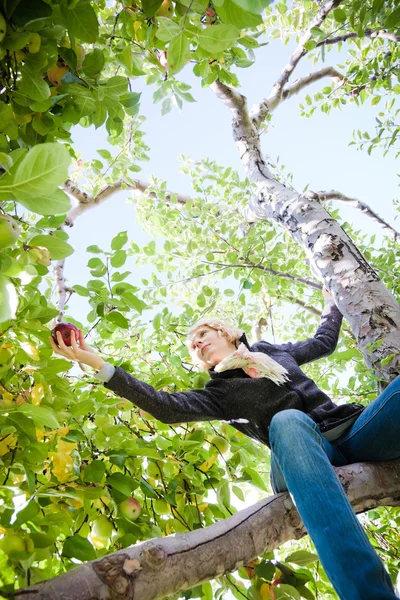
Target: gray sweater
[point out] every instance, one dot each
(249, 404)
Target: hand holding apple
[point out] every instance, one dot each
(67, 338)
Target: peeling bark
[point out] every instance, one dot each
(370, 309)
(161, 567)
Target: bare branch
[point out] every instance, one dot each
(159, 568)
(386, 35)
(305, 305)
(302, 82)
(251, 265)
(231, 98)
(260, 111)
(86, 201)
(256, 330)
(362, 206)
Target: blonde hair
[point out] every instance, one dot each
(229, 332)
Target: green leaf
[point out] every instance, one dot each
(130, 101)
(134, 302)
(265, 570)
(117, 319)
(256, 479)
(82, 22)
(147, 490)
(339, 15)
(8, 299)
(224, 494)
(393, 20)
(238, 492)
(115, 86)
(78, 547)
(253, 6)
(94, 249)
(93, 62)
(28, 11)
(58, 248)
(42, 416)
(123, 484)
(178, 53)
(39, 173)
(217, 38)
(94, 472)
(118, 259)
(235, 15)
(198, 6)
(150, 7)
(385, 361)
(167, 29)
(286, 592)
(305, 592)
(58, 202)
(27, 514)
(119, 240)
(33, 86)
(22, 423)
(302, 558)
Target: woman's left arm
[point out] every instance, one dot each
(325, 339)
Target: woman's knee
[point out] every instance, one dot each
(288, 423)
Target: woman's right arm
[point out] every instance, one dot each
(177, 407)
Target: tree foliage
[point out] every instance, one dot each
(70, 452)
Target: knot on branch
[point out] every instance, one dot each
(117, 573)
(153, 557)
(326, 249)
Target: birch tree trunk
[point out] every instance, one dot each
(370, 309)
(158, 568)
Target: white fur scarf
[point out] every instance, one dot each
(254, 364)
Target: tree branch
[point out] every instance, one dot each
(159, 568)
(362, 206)
(302, 82)
(86, 201)
(251, 265)
(386, 35)
(260, 111)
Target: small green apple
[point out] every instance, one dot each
(166, 9)
(130, 509)
(9, 231)
(102, 528)
(221, 443)
(161, 507)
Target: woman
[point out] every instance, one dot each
(262, 392)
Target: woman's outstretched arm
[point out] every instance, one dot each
(177, 407)
(325, 339)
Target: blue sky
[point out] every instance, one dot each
(315, 150)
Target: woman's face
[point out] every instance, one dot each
(210, 347)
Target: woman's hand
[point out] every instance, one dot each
(327, 296)
(81, 353)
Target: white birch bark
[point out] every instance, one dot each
(370, 309)
(162, 567)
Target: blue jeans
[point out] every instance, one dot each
(301, 462)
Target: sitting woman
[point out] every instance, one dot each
(261, 391)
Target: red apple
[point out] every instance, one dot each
(130, 509)
(65, 330)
